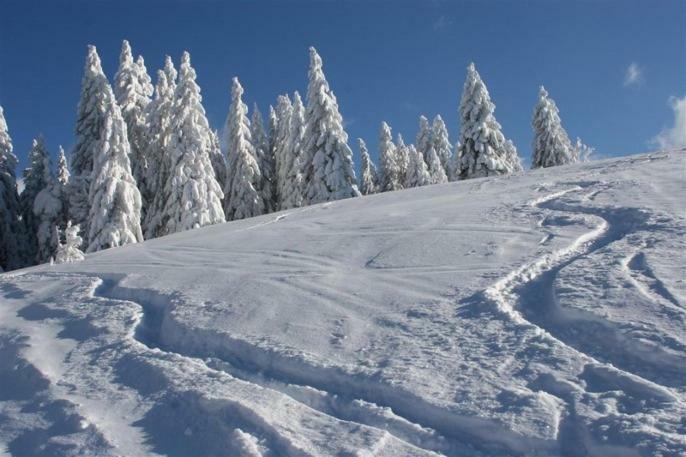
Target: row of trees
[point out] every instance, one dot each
(146, 162)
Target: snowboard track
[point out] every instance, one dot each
(527, 296)
(336, 393)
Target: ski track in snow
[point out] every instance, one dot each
(527, 296)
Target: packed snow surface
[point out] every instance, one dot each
(534, 314)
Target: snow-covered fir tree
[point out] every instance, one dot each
(217, 158)
(242, 190)
(389, 178)
(132, 89)
(37, 176)
(47, 208)
(331, 175)
(193, 195)
(551, 145)
(284, 111)
(265, 160)
(171, 73)
(433, 164)
(69, 251)
(418, 173)
(62, 184)
(159, 113)
(582, 152)
(441, 143)
(294, 185)
(402, 154)
(89, 125)
(484, 150)
(423, 141)
(368, 178)
(12, 230)
(114, 198)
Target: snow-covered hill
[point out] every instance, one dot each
(536, 314)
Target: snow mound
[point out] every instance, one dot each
(541, 313)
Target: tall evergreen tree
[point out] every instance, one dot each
(47, 210)
(331, 176)
(217, 158)
(37, 177)
(368, 178)
(242, 190)
(159, 113)
(133, 90)
(265, 160)
(418, 173)
(12, 230)
(551, 145)
(294, 185)
(484, 150)
(402, 153)
(63, 187)
(441, 143)
(89, 125)
(193, 195)
(170, 72)
(423, 141)
(284, 111)
(114, 198)
(435, 168)
(390, 178)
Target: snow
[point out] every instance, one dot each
(537, 313)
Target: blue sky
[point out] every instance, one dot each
(611, 66)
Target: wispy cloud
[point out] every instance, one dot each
(675, 136)
(442, 23)
(633, 74)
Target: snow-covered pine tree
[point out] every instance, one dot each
(36, 178)
(389, 178)
(193, 195)
(484, 150)
(133, 89)
(294, 185)
(63, 187)
(418, 173)
(551, 145)
(265, 160)
(159, 113)
(368, 178)
(70, 251)
(441, 143)
(242, 190)
(284, 111)
(582, 152)
(331, 175)
(436, 171)
(171, 73)
(402, 154)
(12, 230)
(423, 141)
(217, 158)
(114, 198)
(48, 211)
(89, 125)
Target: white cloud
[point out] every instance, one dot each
(633, 75)
(675, 136)
(442, 23)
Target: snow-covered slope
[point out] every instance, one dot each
(536, 314)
